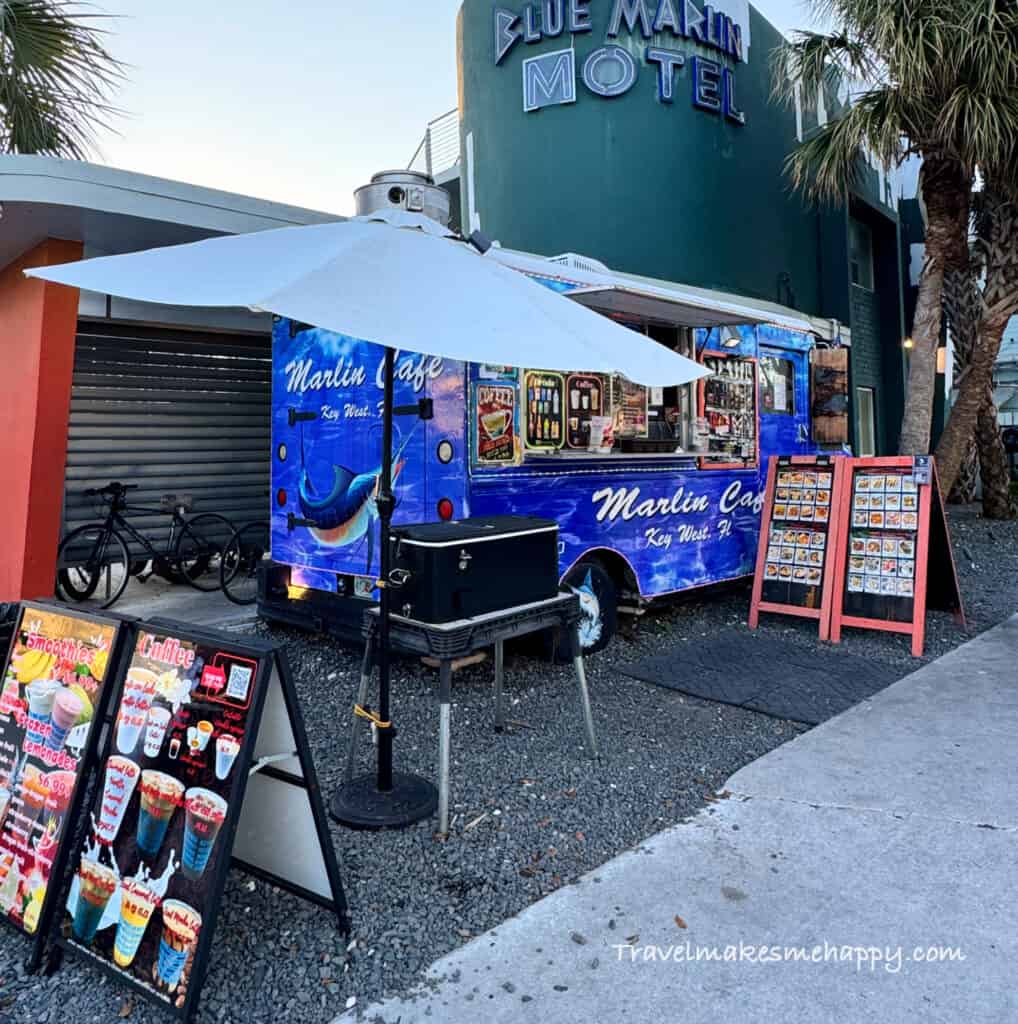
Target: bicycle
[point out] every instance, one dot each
(242, 556)
(95, 564)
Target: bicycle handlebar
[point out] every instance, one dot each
(113, 489)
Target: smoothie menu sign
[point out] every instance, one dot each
(168, 788)
(54, 691)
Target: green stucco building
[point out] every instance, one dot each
(645, 134)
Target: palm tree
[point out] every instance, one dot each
(56, 78)
(937, 81)
(991, 280)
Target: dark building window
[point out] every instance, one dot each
(860, 255)
(777, 385)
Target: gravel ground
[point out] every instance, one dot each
(532, 813)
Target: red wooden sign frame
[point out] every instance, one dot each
(916, 629)
(834, 525)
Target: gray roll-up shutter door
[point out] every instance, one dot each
(174, 411)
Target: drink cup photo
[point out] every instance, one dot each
(122, 776)
(139, 691)
(137, 903)
(34, 792)
(41, 695)
(181, 925)
(67, 706)
(203, 732)
(59, 789)
(161, 795)
(495, 423)
(227, 748)
(205, 813)
(174, 748)
(155, 731)
(96, 884)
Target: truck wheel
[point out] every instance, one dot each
(599, 601)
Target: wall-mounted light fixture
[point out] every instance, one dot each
(730, 337)
(907, 344)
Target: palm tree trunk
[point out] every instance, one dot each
(975, 392)
(967, 481)
(998, 241)
(945, 189)
(994, 467)
(963, 307)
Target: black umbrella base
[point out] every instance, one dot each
(361, 804)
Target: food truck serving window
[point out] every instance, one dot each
(583, 414)
(728, 410)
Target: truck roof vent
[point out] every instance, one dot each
(575, 261)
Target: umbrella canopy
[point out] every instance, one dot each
(398, 279)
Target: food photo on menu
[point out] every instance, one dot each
(52, 684)
(148, 867)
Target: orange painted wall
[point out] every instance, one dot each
(37, 329)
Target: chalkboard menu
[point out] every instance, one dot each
(55, 689)
(796, 550)
(544, 395)
(894, 556)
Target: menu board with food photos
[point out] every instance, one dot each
(797, 539)
(893, 526)
(149, 872)
(55, 689)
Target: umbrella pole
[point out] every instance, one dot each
(384, 799)
(386, 504)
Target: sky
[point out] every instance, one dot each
(296, 101)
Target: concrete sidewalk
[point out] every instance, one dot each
(893, 826)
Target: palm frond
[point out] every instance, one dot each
(57, 77)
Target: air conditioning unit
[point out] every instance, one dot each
(574, 261)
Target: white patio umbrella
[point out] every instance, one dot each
(405, 282)
(395, 278)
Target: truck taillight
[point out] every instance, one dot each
(445, 509)
(280, 497)
(445, 452)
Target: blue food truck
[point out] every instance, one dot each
(655, 490)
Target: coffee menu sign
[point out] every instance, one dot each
(171, 800)
(495, 424)
(55, 686)
(169, 784)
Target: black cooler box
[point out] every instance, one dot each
(457, 570)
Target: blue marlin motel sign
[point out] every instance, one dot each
(611, 70)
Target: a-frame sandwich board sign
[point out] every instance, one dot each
(191, 781)
(798, 539)
(58, 676)
(894, 557)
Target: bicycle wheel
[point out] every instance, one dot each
(238, 572)
(93, 566)
(200, 547)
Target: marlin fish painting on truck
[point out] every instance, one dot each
(349, 510)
